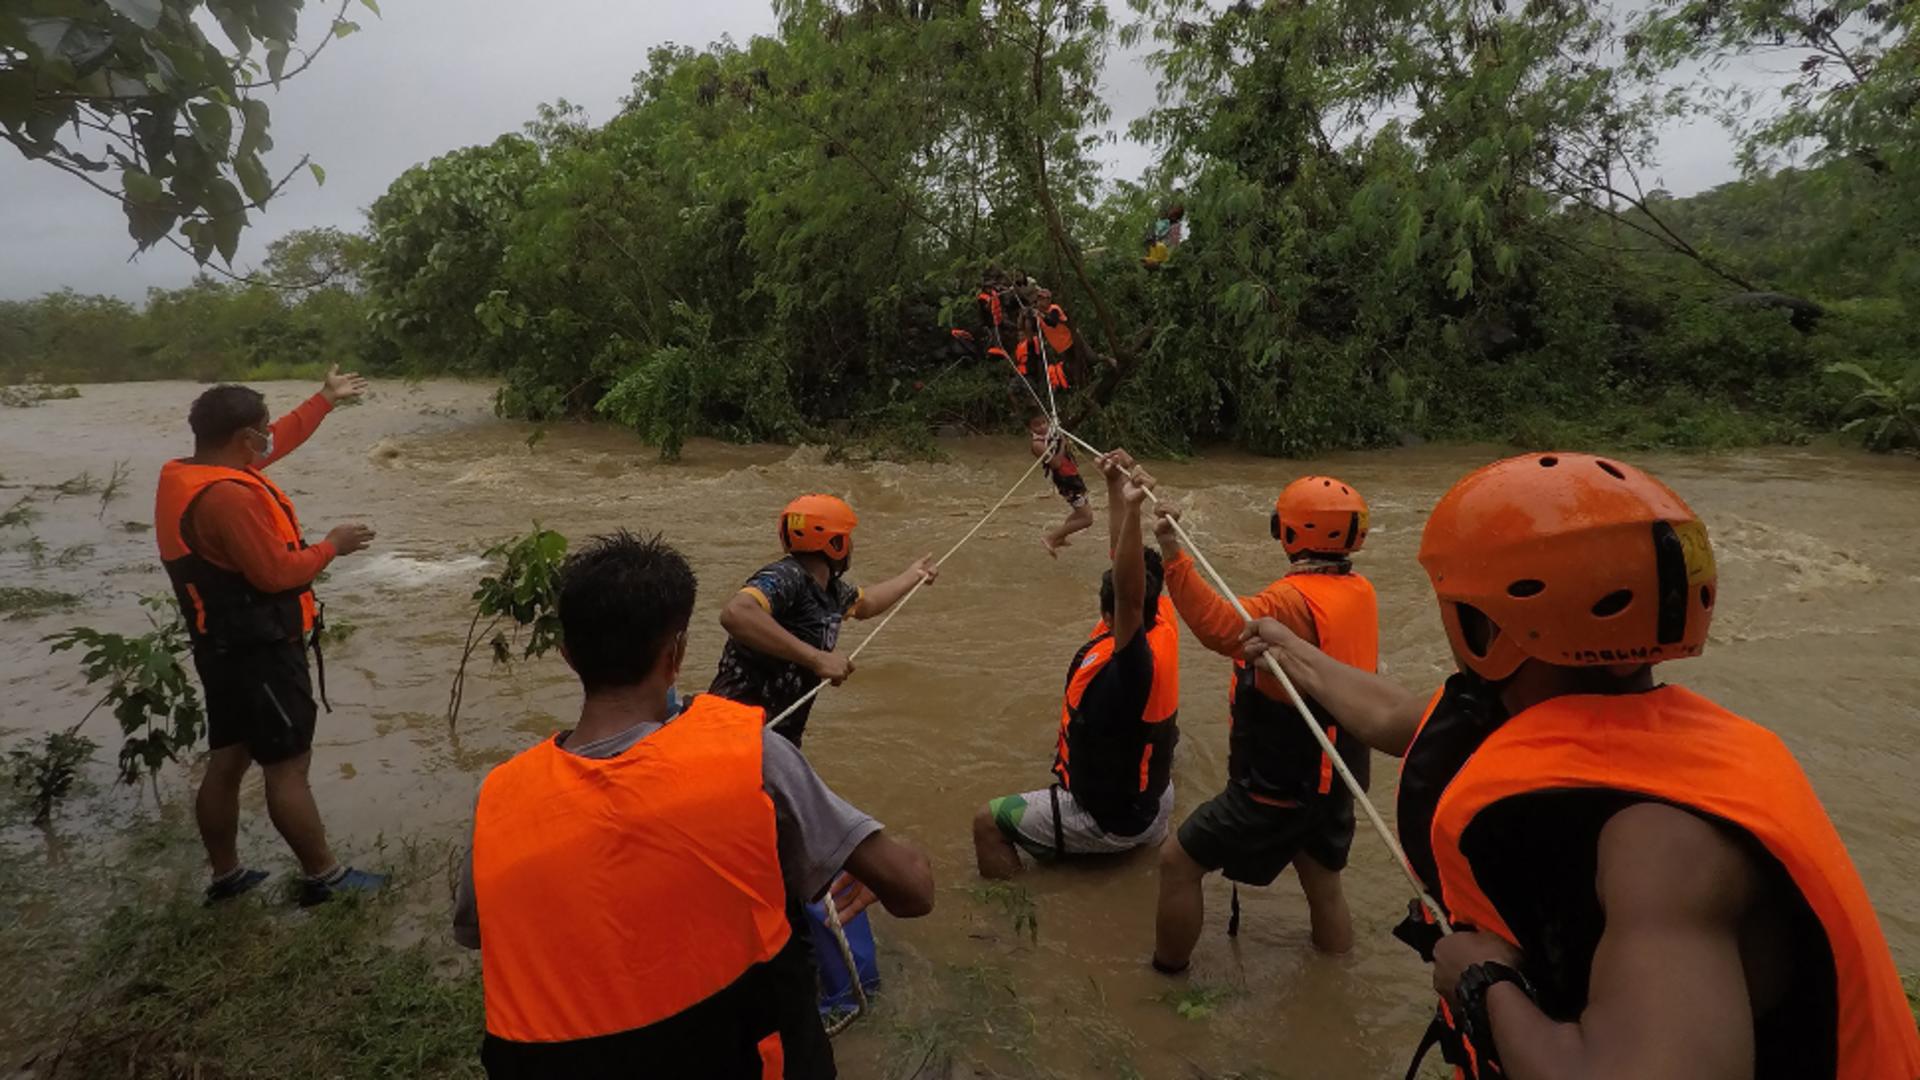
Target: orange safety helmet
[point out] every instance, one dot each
(1568, 559)
(1319, 515)
(818, 523)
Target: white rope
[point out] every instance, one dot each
(1306, 715)
(842, 1023)
(917, 586)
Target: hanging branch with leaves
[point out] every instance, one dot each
(133, 99)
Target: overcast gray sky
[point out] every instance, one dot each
(434, 75)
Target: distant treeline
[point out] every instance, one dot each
(774, 236)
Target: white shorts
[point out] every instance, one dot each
(1029, 820)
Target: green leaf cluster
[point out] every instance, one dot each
(146, 687)
(137, 100)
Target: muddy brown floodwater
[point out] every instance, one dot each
(1817, 635)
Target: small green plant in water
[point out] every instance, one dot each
(35, 549)
(84, 484)
(20, 515)
(44, 775)
(1198, 1002)
(135, 527)
(18, 602)
(73, 555)
(337, 631)
(1015, 901)
(147, 688)
(519, 596)
(115, 486)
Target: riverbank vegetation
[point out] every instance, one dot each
(1402, 222)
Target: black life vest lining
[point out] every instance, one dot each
(718, 1037)
(1468, 712)
(1535, 857)
(1115, 810)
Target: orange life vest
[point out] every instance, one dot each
(632, 909)
(1059, 334)
(1022, 353)
(1113, 765)
(991, 312)
(218, 604)
(1270, 752)
(1672, 746)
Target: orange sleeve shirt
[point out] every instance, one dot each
(295, 428)
(235, 529)
(1212, 619)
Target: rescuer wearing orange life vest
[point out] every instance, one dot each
(1282, 805)
(1645, 884)
(243, 572)
(635, 884)
(1113, 757)
(783, 624)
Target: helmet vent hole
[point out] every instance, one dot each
(1476, 630)
(1611, 469)
(1290, 534)
(1549, 462)
(1344, 490)
(1706, 596)
(1613, 603)
(1326, 483)
(1526, 587)
(1311, 525)
(1334, 535)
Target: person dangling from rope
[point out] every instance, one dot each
(1057, 459)
(783, 624)
(1113, 761)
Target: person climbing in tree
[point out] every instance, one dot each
(1641, 882)
(1282, 805)
(1164, 235)
(1113, 760)
(783, 624)
(1050, 446)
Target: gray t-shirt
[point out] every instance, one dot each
(816, 829)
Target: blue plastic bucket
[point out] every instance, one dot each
(836, 983)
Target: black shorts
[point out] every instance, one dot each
(260, 696)
(1253, 841)
(1071, 488)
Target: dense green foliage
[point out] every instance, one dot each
(1404, 221)
(132, 98)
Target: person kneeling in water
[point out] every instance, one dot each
(1642, 883)
(783, 624)
(635, 885)
(1113, 761)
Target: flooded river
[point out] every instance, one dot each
(1817, 635)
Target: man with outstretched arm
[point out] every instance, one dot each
(1643, 884)
(635, 885)
(243, 574)
(784, 623)
(1113, 758)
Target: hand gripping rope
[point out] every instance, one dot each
(841, 1023)
(1306, 714)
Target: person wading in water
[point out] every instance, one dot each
(1282, 805)
(783, 624)
(1644, 884)
(243, 574)
(635, 885)
(1113, 760)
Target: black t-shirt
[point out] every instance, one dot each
(1119, 692)
(808, 612)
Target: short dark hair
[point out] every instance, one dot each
(1156, 576)
(622, 600)
(222, 410)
